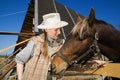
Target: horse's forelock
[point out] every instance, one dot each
(75, 29)
(81, 28)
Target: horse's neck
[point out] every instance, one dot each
(111, 38)
(110, 46)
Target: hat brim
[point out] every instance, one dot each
(52, 26)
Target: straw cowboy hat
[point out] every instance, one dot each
(52, 20)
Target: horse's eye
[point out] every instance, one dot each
(81, 39)
(78, 38)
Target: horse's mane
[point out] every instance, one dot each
(107, 27)
(81, 29)
(102, 23)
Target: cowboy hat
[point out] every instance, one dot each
(52, 20)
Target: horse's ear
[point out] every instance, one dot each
(79, 18)
(91, 16)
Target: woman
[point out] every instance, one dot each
(37, 54)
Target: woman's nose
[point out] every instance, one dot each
(59, 31)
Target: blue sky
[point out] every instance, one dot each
(107, 10)
(12, 13)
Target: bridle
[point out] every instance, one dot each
(80, 58)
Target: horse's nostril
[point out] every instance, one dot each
(53, 68)
(62, 71)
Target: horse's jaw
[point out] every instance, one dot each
(59, 66)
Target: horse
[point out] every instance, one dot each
(87, 36)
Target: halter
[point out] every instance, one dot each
(80, 58)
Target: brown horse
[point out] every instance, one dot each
(89, 34)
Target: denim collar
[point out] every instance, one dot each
(54, 42)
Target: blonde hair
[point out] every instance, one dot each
(45, 46)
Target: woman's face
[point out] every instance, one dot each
(53, 33)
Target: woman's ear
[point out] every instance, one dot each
(45, 30)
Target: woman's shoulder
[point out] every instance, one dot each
(38, 38)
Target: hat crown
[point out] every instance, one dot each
(51, 18)
(52, 21)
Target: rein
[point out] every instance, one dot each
(80, 58)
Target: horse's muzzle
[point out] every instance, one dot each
(58, 71)
(53, 69)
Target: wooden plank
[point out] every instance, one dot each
(7, 68)
(109, 69)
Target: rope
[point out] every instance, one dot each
(19, 49)
(13, 13)
(55, 6)
(5, 49)
(70, 15)
(63, 32)
(8, 58)
(16, 33)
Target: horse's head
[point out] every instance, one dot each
(76, 44)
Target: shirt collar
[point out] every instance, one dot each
(54, 42)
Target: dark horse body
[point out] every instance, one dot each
(81, 38)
